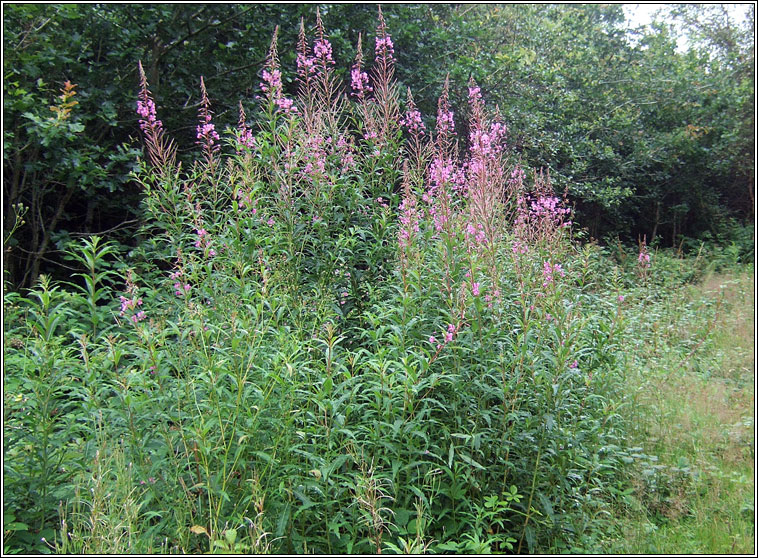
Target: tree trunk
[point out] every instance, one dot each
(40, 252)
(657, 220)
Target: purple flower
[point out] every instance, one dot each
(519, 247)
(347, 153)
(384, 47)
(305, 65)
(146, 109)
(180, 289)
(323, 50)
(412, 121)
(204, 243)
(445, 121)
(272, 80)
(451, 330)
(246, 139)
(359, 81)
(408, 220)
(245, 136)
(549, 271)
(286, 105)
(206, 131)
(130, 305)
(384, 50)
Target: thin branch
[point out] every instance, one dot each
(117, 227)
(32, 30)
(41, 257)
(201, 29)
(245, 67)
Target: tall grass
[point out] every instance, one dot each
(693, 375)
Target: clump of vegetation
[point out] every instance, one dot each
(334, 340)
(344, 332)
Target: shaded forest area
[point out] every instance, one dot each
(648, 141)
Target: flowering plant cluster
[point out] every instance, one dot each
(407, 267)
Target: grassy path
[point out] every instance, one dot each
(694, 422)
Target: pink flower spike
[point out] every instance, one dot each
(206, 131)
(451, 329)
(384, 47)
(359, 81)
(323, 50)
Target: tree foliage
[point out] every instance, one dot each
(650, 140)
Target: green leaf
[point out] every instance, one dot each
(547, 506)
(230, 535)
(471, 461)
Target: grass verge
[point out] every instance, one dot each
(693, 414)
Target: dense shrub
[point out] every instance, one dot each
(343, 333)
